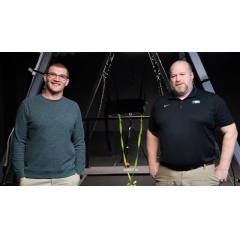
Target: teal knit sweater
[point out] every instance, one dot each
(48, 139)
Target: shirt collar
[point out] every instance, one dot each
(191, 95)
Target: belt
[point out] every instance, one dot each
(186, 168)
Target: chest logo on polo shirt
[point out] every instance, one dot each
(196, 102)
(166, 105)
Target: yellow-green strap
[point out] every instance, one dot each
(124, 156)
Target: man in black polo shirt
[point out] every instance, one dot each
(183, 123)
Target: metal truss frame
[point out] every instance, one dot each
(202, 74)
(158, 68)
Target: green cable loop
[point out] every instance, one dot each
(124, 156)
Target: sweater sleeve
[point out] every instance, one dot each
(79, 144)
(19, 141)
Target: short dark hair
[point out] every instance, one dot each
(59, 65)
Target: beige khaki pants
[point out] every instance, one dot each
(202, 176)
(73, 180)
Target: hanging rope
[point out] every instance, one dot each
(100, 103)
(157, 73)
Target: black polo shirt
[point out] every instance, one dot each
(186, 127)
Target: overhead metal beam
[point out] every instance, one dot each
(37, 80)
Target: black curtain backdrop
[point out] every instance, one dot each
(14, 82)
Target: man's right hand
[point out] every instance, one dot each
(153, 168)
(20, 180)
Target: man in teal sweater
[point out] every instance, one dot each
(48, 143)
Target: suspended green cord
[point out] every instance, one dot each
(124, 156)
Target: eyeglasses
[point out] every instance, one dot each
(53, 76)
